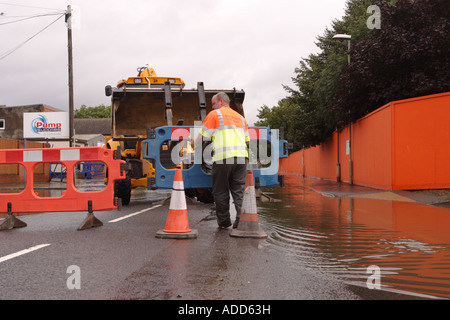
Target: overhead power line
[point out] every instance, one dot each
(22, 5)
(30, 17)
(7, 53)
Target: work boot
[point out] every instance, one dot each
(224, 225)
(236, 223)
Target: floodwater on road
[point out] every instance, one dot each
(344, 237)
(409, 242)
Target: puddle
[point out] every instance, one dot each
(409, 242)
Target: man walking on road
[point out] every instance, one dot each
(229, 133)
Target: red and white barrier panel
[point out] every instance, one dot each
(72, 199)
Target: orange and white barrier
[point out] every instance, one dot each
(248, 226)
(72, 199)
(177, 224)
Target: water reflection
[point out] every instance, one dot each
(409, 242)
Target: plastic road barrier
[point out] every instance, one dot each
(72, 199)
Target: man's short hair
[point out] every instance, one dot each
(223, 96)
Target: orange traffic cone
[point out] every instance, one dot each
(177, 224)
(248, 223)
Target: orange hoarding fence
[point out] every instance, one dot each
(403, 145)
(27, 201)
(421, 142)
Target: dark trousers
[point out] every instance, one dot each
(228, 177)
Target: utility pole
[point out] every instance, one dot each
(70, 66)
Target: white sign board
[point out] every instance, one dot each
(47, 125)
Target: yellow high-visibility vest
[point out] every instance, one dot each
(228, 131)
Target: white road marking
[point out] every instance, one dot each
(134, 214)
(14, 255)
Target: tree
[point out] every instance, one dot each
(286, 115)
(408, 57)
(100, 111)
(317, 80)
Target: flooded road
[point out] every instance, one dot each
(409, 242)
(322, 241)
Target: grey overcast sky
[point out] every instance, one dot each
(253, 45)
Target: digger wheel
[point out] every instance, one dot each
(122, 189)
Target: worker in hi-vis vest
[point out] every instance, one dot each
(228, 131)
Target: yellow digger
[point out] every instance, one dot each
(142, 103)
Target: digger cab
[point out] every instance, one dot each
(147, 78)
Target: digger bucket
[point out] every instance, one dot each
(136, 108)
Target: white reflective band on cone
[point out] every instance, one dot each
(178, 201)
(178, 185)
(249, 203)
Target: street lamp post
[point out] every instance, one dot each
(346, 37)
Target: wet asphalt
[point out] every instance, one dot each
(123, 260)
